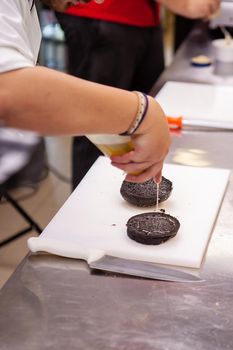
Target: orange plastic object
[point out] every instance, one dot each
(175, 122)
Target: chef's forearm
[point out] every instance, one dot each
(50, 102)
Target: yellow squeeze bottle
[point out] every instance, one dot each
(111, 144)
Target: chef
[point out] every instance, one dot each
(40, 99)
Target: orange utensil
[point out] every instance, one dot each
(178, 123)
(175, 122)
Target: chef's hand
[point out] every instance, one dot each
(151, 143)
(192, 8)
(202, 8)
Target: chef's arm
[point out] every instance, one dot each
(51, 102)
(193, 9)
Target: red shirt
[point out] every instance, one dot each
(142, 13)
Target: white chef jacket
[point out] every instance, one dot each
(20, 39)
(20, 34)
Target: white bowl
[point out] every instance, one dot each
(223, 50)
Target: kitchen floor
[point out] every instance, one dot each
(41, 204)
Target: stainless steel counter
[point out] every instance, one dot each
(198, 43)
(56, 303)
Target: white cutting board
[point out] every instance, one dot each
(94, 216)
(197, 101)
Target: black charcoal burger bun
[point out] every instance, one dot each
(152, 228)
(145, 194)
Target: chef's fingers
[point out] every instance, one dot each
(153, 172)
(132, 168)
(158, 177)
(124, 158)
(140, 172)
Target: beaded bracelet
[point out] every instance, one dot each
(141, 113)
